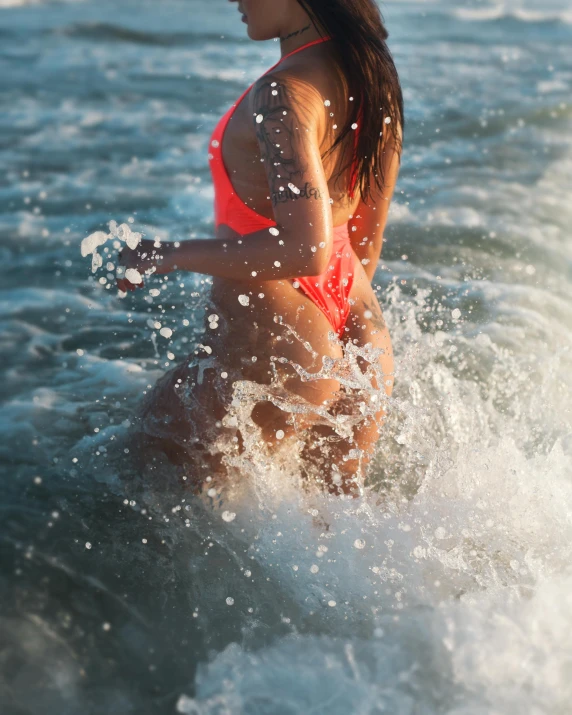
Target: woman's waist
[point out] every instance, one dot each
(342, 234)
(234, 296)
(241, 313)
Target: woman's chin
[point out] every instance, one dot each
(258, 35)
(251, 32)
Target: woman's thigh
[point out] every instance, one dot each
(335, 460)
(286, 357)
(366, 325)
(294, 356)
(302, 342)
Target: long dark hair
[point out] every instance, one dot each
(359, 34)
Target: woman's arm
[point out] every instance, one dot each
(260, 255)
(368, 223)
(286, 114)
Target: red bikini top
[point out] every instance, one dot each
(229, 209)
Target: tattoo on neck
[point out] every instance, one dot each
(296, 32)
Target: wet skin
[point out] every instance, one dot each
(255, 341)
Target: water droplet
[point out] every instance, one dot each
(214, 143)
(133, 276)
(166, 332)
(228, 516)
(359, 544)
(274, 231)
(332, 604)
(259, 118)
(87, 545)
(184, 703)
(456, 314)
(243, 299)
(280, 434)
(230, 601)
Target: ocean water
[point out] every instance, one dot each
(446, 588)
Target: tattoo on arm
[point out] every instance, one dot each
(280, 131)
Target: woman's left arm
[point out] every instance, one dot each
(287, 116)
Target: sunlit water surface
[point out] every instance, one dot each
(447, 587)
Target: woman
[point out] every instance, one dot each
(304, 166)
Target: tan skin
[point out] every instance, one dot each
(303, 81)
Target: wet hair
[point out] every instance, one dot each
(359, 36)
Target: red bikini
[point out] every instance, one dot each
(331, 289)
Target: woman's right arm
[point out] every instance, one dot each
(367, 225)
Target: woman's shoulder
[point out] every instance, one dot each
(285, 94)
(307, 88)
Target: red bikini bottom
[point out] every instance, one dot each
(330, 290)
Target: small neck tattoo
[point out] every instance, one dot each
(296, 32)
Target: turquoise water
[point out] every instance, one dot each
(446, 589)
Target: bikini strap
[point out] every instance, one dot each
(303, 47)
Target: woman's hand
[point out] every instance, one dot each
(149, 257)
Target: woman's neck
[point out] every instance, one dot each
(299, 36)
